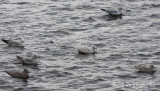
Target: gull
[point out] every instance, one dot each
(86, 49)
(13, 43)
(18, 73)
(114, 13)
(28, 61)
(145, 68)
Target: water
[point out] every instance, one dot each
(52, 29)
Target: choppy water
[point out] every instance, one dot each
(52, 29)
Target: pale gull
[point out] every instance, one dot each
(28, 61)
(114, 13)
(86, 49)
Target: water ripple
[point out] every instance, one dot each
(52, 29)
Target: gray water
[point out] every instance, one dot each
(51, 29)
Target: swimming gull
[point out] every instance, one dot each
(28, 61)
(86, 49)
(113, 13)
(18, 73)
(145, 68)
(13, 43)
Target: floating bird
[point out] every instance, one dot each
(13, 43)
(86, 49)
(28, 61)
(145, 68)
(18, 73)
(114, 13)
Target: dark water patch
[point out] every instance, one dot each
(27, 12)
(75, 68)
(100, 45)
(21, 3)
(44, 25)
(106, 67)
(74, 84)
(6, 87)
(99, 38)
(65, 9)
(35, 89)
(144, 55)
(47, 35)
(145, 50)
(58, 52)
(103, 85)
(89, 19)
(86, 63)
(53, 66)
(153, 89)
(154, 16)
(140, 40)
(76, 29)
(155, 5)
(146, 6)
(155, 24)
(100, 25)
(145, 40)
(125, 36)
(155, 62)
(66, 46)
(16, 52)
(14, 22)
(158, 86)
(85, 7)
(93, 81)
(2, 82)
(55, 0)
(131, 0)
(52, 13)
(120, 89)
(19, 89)
(128, 10)
(156, 53)
(44, 10)
(4, 1)
(116, 56)
(126, 76)
(88, 89)
(156, 37)
(58, 32)
(52, 7)
(56, 73)
(49, 42)
(130, 61)
(13, 50)
(117, 68)
(75, 17)
(140, 20)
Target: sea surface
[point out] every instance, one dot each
(52, 29)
